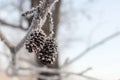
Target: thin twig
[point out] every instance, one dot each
(11, 25)
(92, 48)
(5, 40)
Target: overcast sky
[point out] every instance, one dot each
(85, 22)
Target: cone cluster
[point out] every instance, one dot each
(48, 54)
(44, 47)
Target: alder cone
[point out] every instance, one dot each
(35, 41)
(48, 54)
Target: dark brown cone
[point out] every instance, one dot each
(35, 41)
(48, 54)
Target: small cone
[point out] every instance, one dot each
(48, 54)
(35, 41)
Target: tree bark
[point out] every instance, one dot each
(47, 31)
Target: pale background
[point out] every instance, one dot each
(82, 23)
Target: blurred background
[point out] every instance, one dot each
(87, 32)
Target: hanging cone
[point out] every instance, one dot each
(35, 41)
(48, 54)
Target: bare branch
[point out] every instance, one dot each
(66, 61)
(50, 70)
(92, 48)
(4, 39)
(35, 23)
(20, 8)
(86, 70)
(35, 70)
(39, 76)
(12, 25)
(35, 66)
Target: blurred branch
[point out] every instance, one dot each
(49, 69)
(78, 74)
(11, 25)
(66, 61)
(92, 48)
(39, 76)
(58, 71)
(5, 40)
(35, 70)
(20, 8)
(90, 78)
(33, 24)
